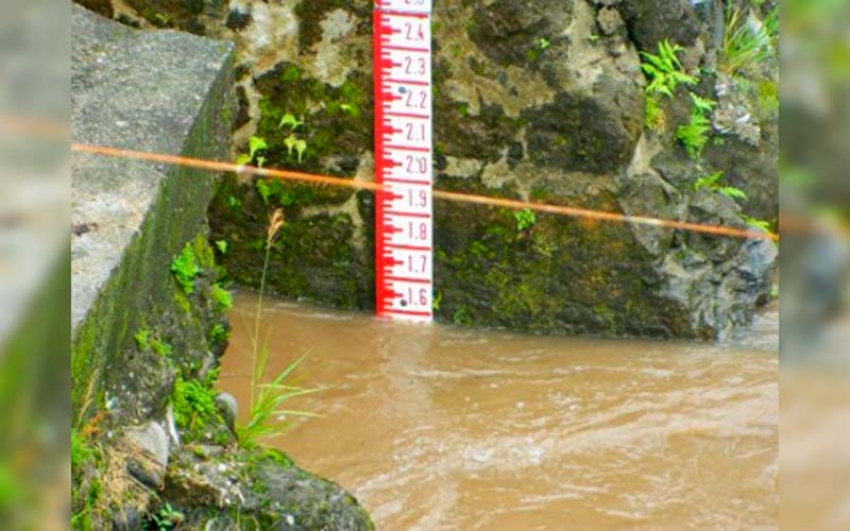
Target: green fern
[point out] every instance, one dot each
(760, 223)
(703, 105)
(694, 134)
(732, 192)
(712, 183)
(664, 73)
(708, 181)
(665, 70)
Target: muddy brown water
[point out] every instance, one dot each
(439, 427)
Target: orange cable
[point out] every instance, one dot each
(34, 126)
(439, 194)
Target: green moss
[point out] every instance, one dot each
(193, 403)
(559, 274)
(162, 348)
(170, 13)
(82, 453)
(277, 457)
(185, 268)
(768, 98)
(219, 333)
(337, 122)
(222, 298)
(182, 303)
(86, 392)
(86, 488)
(290, 73)
(314, 257)
(142, 338)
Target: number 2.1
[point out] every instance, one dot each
(414, 133)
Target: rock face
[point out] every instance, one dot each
(163, 93)
(273, 493)
(147, 314)
(541, 101)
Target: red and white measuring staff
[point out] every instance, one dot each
(403, 159)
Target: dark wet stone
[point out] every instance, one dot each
(238, 20)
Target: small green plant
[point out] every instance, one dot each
(256, 144)
(146, 340)
(219, 333)
(540, 45)
(712, 183)
(525, 219)
(654, 117)
(162, 348)
(81, 452)
(436, 300)
(664, 72)
(275, 189)
(289, 120)
(222, 246)
(162, 19)
(266, 416)
(768, 97)
(264, 188)
(291, 73)
(293, 143)
(703, 105)
(193, 402)
(461, 316)
(748, 40)
(142, 338)
(233, 202)
(350, 108)
(733, 193)
(167, 518)
(223, 299)
(694, 134)
(185, 268)
(759, 223)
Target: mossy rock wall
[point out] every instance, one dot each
(151, 446)
(541, 100)
(131, 219)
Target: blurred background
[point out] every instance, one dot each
(815, 262)
(35, 264)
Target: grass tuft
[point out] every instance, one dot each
(267, 416)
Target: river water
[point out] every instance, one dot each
(439, 427)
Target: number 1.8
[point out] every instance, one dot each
(417, 231)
